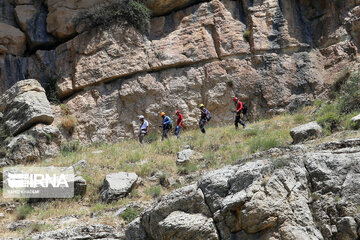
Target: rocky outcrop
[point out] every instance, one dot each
(12, 40)
(25, 105)
(307, 131)
(31, 18)
(298, 193)
(32, 145)
(274, 55)
(117, 185)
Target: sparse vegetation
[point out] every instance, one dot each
(133, 12)
(130, 214)
(23, 211)
(70, 147)
(153, 191)
(247, 35)
(68, 123)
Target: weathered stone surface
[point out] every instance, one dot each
(265, 200)
(184, 156)
(25, 105)
(32, 20)
(187, 199)
(12, 39)
(117, 185)
(306, 131)
(180, 225)
(160, 7)
(32, 145)
(61, 13)
(82, 232)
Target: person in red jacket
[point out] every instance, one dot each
(179, 123)
(239, 107)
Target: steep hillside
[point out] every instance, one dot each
(275, 55)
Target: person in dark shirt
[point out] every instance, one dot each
(166, 125)
(179, 123)
(204, 118)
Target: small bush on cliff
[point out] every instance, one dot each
(68, 123)
(350, 101)
(246, 35)
(132, 11)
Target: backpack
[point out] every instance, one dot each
(170, 124)
(208, 117)
(244, 109)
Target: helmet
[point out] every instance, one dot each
(141, 117)
(177, 112)
(162, 114)
(201, 105)
(235, 99)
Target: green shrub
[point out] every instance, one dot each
(350, 101)
(329, 118)
(23, 211)
(187, 168)
(134, 12)
(153, 191)
(247, 35)
(69, 147)
(130, 214)
(262, 143)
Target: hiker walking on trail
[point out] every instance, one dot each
(144, 128)
(166, 125)
(179, 123)
(239, 113)
(204, 118)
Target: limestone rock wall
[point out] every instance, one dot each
(275, 55)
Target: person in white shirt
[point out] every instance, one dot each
(144, 128)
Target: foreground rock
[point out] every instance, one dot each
(307, 131)
(82, 232)
(356, 121)
(25, 105)
(117, 185)
(299, 193)
(184, 156)
(32, 145)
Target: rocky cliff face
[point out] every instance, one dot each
(275, 55)
(289, 194)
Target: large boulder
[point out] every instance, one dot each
(306, 131)
(25, 105)
(12, 40)
(117, 185)
(32, 20)
(180, 225)
(39, 142)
